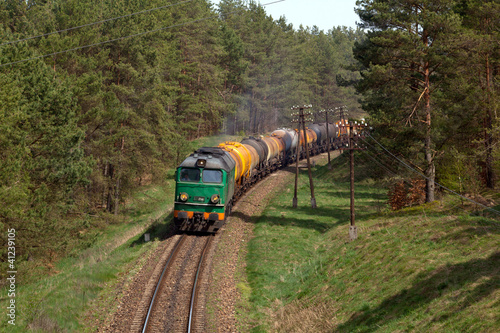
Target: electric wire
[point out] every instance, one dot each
(436, 183)
(382, 165)
(129, 36)
(94, 23)
(391, 171)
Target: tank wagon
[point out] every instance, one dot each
(211, 179)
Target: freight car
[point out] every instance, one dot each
(211, 179)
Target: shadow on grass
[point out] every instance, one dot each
(449, 279)
(159, 230)
(333, 216)
(322, 218)
(309, 221)
(469, 230)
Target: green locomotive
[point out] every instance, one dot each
(205, 184)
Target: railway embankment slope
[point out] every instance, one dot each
(429, 268)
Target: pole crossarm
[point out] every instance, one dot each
(355, 131)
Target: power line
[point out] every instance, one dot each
(381, 164)
(393, 172)
(94, 23)
(129, 36)
(443, 187)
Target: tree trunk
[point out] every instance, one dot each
(430, 171)
(254, 128)
(235, 126)
(117, 186)
(488, 126)
(109, 202)
(117, 196)
(104, 199)
(109, 197)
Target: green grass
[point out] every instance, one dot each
(59, 296)
(433, 268)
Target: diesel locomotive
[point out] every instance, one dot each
(210, 180)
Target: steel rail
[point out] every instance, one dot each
(194, 292)
(152, 303)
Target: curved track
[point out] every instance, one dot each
(173, 305)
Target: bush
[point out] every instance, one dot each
(406, 194)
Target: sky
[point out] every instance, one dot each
(325, 14)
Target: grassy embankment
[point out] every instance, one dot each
(54, 296)
(433, 268)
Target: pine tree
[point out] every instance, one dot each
(403, 53)
(480, 61)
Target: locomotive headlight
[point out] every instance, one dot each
(214, 198)
(183, 196)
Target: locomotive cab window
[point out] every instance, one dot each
(212, 176)
(190, 175)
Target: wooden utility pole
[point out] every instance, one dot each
(352, 146)
(342, 112)
(297, 157)
(301, 121)
(328, 134)
(353, 231)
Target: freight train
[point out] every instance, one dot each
(211, 179)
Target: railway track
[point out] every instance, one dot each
(172, 302)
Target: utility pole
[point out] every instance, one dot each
(343, 112)
(354, 132)
(353, 231)
(302, 121)
(328, 134)
(297, 157)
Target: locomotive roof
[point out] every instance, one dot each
(215, 157)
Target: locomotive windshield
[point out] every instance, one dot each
(190, 175)
(212, 176)
(194, 175)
